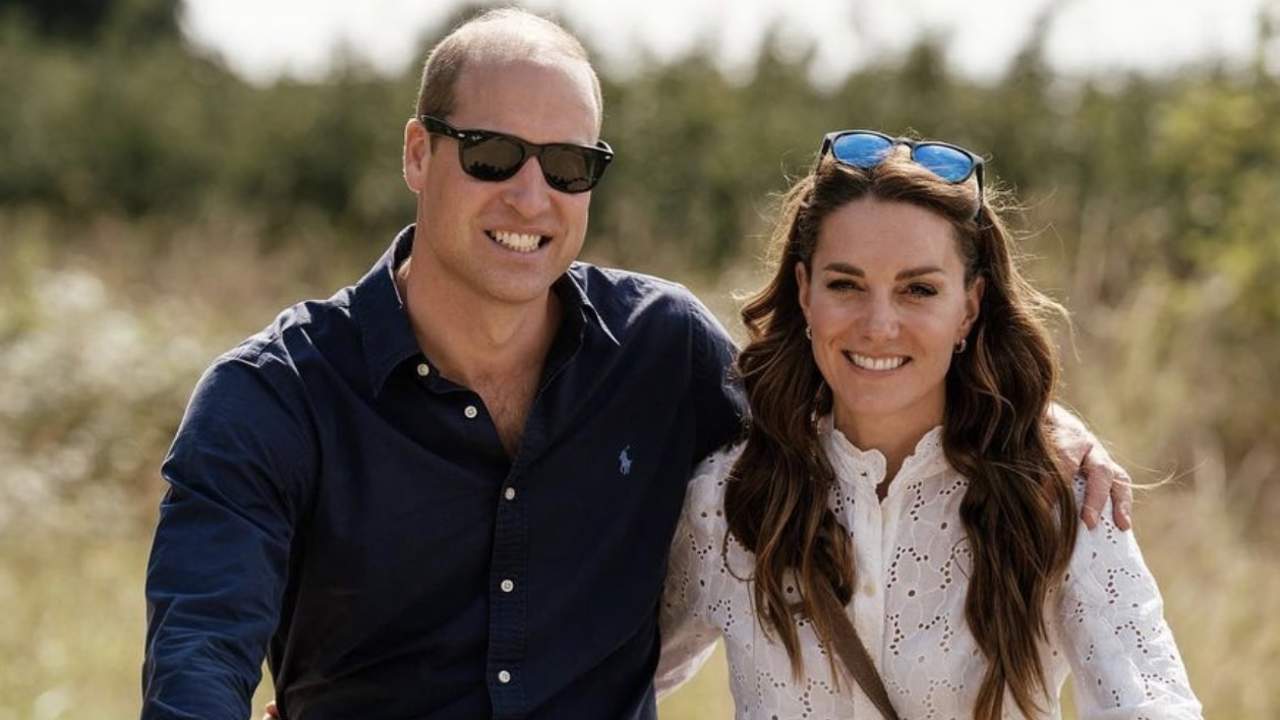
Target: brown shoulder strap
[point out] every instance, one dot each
(855, 657)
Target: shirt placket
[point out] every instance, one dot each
(508, 603)
(868, 597)
(508, 568)
(508, 583)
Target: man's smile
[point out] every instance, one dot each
(519, 242)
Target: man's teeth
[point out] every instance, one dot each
(519, 242)
(870, 363)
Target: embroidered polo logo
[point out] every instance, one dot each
(624, 461)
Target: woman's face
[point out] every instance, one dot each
(886, 302)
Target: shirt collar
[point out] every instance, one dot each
(854, 466)
(385, 331)
(573, 290)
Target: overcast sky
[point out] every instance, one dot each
(262, 40)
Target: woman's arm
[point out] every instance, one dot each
(688, 636)
(1122, 653)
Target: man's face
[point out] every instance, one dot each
(464, 224)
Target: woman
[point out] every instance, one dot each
(898, 473)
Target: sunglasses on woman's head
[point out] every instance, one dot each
(865, 149)
(493, 157)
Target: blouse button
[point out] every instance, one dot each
(470, 411)
(507, 586)
(868, 589)
(423, 369)
(509, 493)
(504, 677)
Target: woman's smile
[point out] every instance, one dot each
(880, 365)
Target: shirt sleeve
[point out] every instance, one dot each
(218, 564)
(688, 635)
(1123, 658)
(720, 402)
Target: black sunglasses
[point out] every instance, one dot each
(493, 157)
(865, 149)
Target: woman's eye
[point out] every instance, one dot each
(842, 285)
(922, 290)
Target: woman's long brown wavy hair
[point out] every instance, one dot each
(1019, 510)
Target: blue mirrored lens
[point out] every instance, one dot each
(862, 150)
(947, 163)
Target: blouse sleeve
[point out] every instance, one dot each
(688, 635)
(1125, 663)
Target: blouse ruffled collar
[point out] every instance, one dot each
(855, 466)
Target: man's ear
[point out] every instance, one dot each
(417, 155)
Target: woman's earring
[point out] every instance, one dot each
(808, 332)
(960, 346)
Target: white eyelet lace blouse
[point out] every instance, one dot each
(1106, 626)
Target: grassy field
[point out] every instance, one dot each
(98, 352)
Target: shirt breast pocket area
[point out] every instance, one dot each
(620, 494)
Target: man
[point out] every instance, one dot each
(447, 491)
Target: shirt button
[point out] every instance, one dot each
(470, 411)
(868, 589)
(504, 677)
(508, 586)
(423, 369)
(509, 493)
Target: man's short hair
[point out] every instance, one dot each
(495, 35)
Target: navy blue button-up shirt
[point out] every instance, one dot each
(339, 506)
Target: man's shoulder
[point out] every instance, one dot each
(627, 297)
(628, 287)
(257, 387)
(269, 360)
(296, 328)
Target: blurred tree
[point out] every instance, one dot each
(88, 20)
(71, 19)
